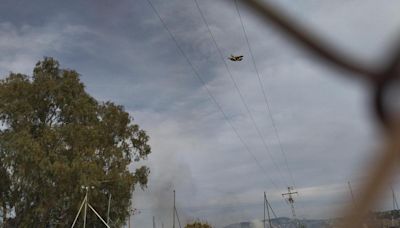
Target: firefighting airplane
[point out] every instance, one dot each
(236, 58)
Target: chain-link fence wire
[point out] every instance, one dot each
(384, 83)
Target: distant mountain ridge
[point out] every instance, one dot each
(389, 218)
(283, 222)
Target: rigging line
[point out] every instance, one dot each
(239, 92)
(273, 212)
(268, 205)
(177, 216)
(265, 95)
(210, 94)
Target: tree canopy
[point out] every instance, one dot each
(198, 224)
(55, 138)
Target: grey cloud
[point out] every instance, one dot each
(125, 55)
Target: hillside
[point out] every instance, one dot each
(382, 219)
(283, 222)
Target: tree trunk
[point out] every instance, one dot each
(4, 212)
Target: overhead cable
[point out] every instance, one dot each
(225, 116)
(240, 93)
(267, 105)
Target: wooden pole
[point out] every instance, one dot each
(173, 215)
(351, 193)
(108, 209)
(267, 204)
(264, 211)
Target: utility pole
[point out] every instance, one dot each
(86, 203)
(395, 205)
(290, 200)
(173, 215)
(108, 209)
(264, 211)
(267, 205)
(351, 193)
(154, 222)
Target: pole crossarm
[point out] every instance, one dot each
(290, 199)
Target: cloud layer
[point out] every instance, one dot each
(124, 55)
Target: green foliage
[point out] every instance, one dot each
(302, 226)
(395, 214)
(55, 138)
(198, 224)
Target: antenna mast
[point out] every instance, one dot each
(290, 200)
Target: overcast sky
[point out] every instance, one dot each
(125, 55)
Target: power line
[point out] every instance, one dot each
(181, 51)
(239, 91)
(264, 94)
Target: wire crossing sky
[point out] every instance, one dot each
(240, 94)
(267, 105)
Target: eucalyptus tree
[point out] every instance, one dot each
(55, 138)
